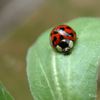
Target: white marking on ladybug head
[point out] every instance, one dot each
(66, 49)
(70, 43)
(64, 40)
(59, 48)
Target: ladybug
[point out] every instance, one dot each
(62, 38)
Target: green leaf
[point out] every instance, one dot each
(54, 76)
(4, 94)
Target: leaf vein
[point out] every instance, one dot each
(55, 73)
(45, 76)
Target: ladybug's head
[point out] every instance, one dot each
(64, 46)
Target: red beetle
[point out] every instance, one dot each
(62, 38)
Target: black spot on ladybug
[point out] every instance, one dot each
(55, 32)
(54, 39)
(62, 28)
(71, 34)
(68, 27)
(61, 37)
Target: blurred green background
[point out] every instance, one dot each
(21, 22)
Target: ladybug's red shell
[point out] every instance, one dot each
(56, 37)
